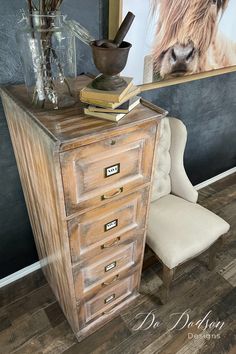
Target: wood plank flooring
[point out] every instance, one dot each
(31, 320)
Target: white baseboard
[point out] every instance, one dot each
(20, 274)
(215, 178)
(35, 266)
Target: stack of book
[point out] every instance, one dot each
(111, 105)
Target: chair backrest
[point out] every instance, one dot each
(169, 173)
(161, 179)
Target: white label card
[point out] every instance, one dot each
(110, 266)
(111, 225)
(112, 170)
(109, 298)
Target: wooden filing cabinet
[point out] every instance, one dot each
(87, 185)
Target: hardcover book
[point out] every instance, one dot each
(89, 92)
(125, 107)
(133, 91)
(115, 117)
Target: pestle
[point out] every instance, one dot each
(124, 28)
(120, 35)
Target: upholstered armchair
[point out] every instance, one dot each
(179, 228)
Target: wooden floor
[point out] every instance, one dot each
(32, 322)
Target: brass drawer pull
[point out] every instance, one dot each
(112, 281)
(108, 245)
(120, 190)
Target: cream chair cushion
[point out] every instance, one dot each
(161, 179)
(179, 230)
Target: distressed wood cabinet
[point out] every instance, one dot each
(86, 183)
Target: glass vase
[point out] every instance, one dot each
(48, 53)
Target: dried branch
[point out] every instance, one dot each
(58, 4)
(45, 86)
(30, 6)
(44, 6)
(34, 7)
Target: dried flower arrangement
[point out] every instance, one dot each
(44, 6)
(48, 53)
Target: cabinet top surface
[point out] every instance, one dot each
(69, 125)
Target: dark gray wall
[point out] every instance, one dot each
(207, 107)
(17, 249)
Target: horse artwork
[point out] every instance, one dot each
(187, 39)
(178, 38)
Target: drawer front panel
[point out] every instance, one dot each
(98, 271)
(92, 174)
(94, 273)
(103, 227)
(104, 301)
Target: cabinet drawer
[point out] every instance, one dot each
(92, 174)
(105, 300)
(94, 272)
(103, 227)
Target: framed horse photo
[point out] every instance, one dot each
(175, 41)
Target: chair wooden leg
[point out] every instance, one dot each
(167, 277)
(213, 251)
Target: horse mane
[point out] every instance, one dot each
(180, 17)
